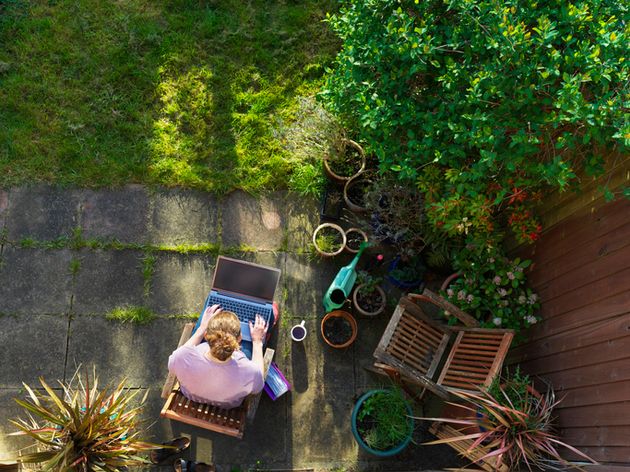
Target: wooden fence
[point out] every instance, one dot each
(581, 272)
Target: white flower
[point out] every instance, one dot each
(497, 321)
(531, 319)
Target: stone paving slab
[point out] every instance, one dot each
(183, 217)
(35, 281)
(121, 214)
(138, 353)
(180, 283)
(108, 279)
(42, 212)
(32, 346)
(4, 206)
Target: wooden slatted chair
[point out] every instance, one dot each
(230, 422)
(413, 345)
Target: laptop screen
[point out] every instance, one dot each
(245, 278)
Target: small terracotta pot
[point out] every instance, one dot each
(341, 179)
(358, 231)
(360, 309)
(337, 228)
(348, 317)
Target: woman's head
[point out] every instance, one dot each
(223, 333)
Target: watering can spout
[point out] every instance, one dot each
(340, 289)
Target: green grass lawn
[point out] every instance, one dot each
(176, 93)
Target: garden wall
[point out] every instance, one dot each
(581, 271)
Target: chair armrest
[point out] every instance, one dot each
(253, 399)
(170, 378)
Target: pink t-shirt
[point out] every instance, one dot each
(221, 384)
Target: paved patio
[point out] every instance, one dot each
(54, 293)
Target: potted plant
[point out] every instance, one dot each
(354, 238)
(355, 190)
(512, 423)
(339, 329)
(368, 298)
(406, 271)
(83, 428)
(345, 160)
(329, 239)
(382, 422)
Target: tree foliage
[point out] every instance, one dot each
(484, 103)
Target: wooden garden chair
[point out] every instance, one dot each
(413, 346)
(230, 422)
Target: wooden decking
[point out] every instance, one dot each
(582, 273)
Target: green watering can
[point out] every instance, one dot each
(339, 290)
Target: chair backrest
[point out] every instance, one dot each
(476, 358)
(412, 342)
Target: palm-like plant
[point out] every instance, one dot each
(83, 429)
(515, 429)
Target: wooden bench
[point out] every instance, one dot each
(230, 422)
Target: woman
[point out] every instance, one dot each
(217, 372)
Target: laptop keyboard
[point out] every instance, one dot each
(244, 310)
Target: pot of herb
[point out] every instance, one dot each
(329, 239)
(382, 422)
(354, 238)
(339, 329)
(369, 298)
(345, 160)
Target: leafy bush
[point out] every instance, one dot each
(483, 103)
(383, 419)
(493, 288)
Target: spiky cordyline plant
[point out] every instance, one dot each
(515, 431)
(83, 429)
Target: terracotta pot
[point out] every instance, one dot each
(363, 311)
(341, 315)
(358, 231)
(341, 179)
(335, 227)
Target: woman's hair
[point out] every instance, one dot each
(222, 334)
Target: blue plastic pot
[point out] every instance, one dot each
(355, 432)
(400, 283)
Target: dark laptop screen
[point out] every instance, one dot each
(245, 278)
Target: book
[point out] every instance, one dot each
(276, 383)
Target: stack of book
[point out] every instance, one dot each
(276, 383)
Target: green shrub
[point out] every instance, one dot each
(483, 103)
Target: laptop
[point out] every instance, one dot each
(246, 289)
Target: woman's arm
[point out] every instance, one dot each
(198, 335)
(258, 332)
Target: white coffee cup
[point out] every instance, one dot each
(298, 332)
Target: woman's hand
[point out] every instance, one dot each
(258, 329)
(207, 316)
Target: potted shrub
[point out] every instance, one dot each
(512, 423)
(339, 329)
(368, 298)
(345, 160)
(354, 238)
(82, 428)
(329, 239)
(382, 422)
